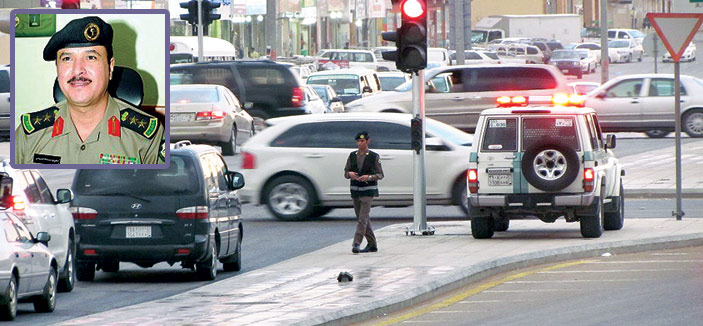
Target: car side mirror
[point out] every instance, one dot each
(610, 141)
(236, 180)
(43, 238)
(248, 105)
(64, 196)
(336, 99)
(367, 89)
(601, 94)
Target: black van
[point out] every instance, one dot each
(188, 213)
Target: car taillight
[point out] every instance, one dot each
(90, 252)
(248, 161)
(18, 203)
(588, 177)
(298, 97)
(472, 180)
(83, 213)
(193, 213)
(210, 115)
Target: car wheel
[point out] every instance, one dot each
(233, 263)
(629, 58)
(640, 58)
(693, 123)
(68, 278)
(550, 166)
(592, 225)
(461, 196)
(8, 310)
(482, 227)
(229, 147)
(85, 272)
(110, 266)
(656, 133)
(501, 225)
(319, 211)
(207, 270)
(46, 302)
(290, 198)
(615, 220)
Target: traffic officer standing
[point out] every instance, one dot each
(364, 169)
(90, 127)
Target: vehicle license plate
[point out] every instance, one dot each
(181, 117)
(500, 179)
(138, 232)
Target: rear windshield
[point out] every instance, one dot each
(500, 135)
(549, 129)
(181, 178)
(195, 95)
(342, 84)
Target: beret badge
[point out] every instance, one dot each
(91, 32)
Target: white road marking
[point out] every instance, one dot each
(621, 271)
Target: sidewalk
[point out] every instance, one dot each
(406, 270)
(653, 173)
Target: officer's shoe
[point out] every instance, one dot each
(370, 248)
(355, 249)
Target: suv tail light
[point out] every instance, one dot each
(298, 98)
(588, 178)
(193, 213)
(83, 213)
(18, 203)
(248, 161)
(210, 115)
(472, 180)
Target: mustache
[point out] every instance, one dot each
(79, 79)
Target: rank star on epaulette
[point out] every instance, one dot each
(143, 124)
(35, 121)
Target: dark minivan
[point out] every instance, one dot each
(187, 213)
(267, 89)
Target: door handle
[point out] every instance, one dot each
(634, 102)
(314, 156)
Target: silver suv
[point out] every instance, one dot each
(546, 162)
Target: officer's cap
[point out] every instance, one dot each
(82, 32)
(362, 135)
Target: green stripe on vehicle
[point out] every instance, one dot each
(473, 157)
(517, 172)
(588, 156)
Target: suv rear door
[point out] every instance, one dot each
(223, 204)
(498, 156)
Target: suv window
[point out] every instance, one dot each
(44, 191)
(500, 135)
(214, 170)
(558, 129)
(179, 178)
(219, 75)
(31, 190)
(4, 81)
(663, 87)
(261, 76)
(506, 79)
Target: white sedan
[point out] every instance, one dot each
(689, 54)
(295, 166)
(588, 61)
(627, 49)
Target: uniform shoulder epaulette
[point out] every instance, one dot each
(35, 121)
(143, 124)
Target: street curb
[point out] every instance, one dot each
(444, 285)
(663, 193)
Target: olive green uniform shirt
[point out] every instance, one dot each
(125, 135)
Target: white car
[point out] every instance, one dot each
(392, 79)
(627, 50)
(626, 34)
(688, 55)
(593, 47)
(437, 57)
(645, 103)
(588, 61)
(583, 87)
(295, 166)
(472, 57)
(384, 65)
(313, 102)
(34, 204)
(345, 58)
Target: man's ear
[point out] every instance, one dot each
(112, 66)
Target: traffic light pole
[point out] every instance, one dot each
(419, 194)
(200, 30)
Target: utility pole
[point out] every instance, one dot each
(458, 30)
(604, 57)
(272, 38)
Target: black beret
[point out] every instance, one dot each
(82, 32)
(362, 135)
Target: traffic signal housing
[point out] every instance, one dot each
(416, 134)
(412, 36)
(209, 14)
(192, 16)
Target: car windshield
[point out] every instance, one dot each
(342, 84)
(636, 34)
(179, 179)
(492, 55)
(619, 44)
(389, 83)
(583, 54)
(449, 133)
(195, 95)
(320, 90)
(561, 55)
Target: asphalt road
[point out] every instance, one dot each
(648, 288)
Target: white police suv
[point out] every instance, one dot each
(544, 162)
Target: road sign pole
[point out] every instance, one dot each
(200, 30)
(419, 195)
(677, 113)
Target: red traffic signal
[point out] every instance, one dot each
(413, 8)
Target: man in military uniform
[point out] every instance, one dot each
(363, 169)
(90, 127)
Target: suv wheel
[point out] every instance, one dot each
(8, 309)
(85, 272)
(68, 278)
(550, 166)
(207, 270)
(289, 198)
(229, 147)
(482, 227)
(656, 133)
(615, 220)
(233, 263)
(693, 123)
(592, 225)
(46, 302)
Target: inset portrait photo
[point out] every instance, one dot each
(90, 88)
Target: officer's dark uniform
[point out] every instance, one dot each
(125, 135)
(362, 193)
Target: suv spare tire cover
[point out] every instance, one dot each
(550, 165)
